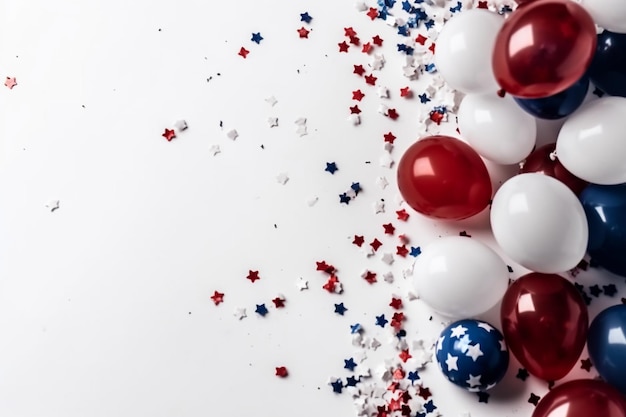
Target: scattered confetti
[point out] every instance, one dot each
(243, 52)
(10, 82)
(53, 205)
(256, 38)
(169, 134)
(303, 32)
(272, 121)
(240, 313)
(180, 125)
(232, 134)
(282, 178)
(261, 310)
(253, 276)
(217, 298)
(281, 372)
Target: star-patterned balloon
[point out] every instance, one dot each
(472, 354)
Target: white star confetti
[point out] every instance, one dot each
(271, 100)
(386, 160)
(387, 258)
(379, 207)
(383, 92)
(240, 313)
(382, 109)
(272, 121)
(302, 284)
(354, 119)
(382, 182)
(301, 130)
(282, 178)
(214, 149)
(388, 277)
(180, 125)
(53, 205)
(232, 134)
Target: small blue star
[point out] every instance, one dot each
(356, 187)
(424, 98)
(420, 14)
(355, 328)
(401, 47)
(430, 68)
(505, 9)
(256, 37)
(337, 386)
(403, 30)
(415, 251)
(261, 310)
(443, 110)
(420, 415)
(382, 13)
(430, 407)
(401, 333)
(456, 8)
(411, 22)
(344, 198)
(413, 376)
(429, 24)
(349, 364)
(381, 320)
(340, 309)
(351, 381)
(331, 167)
(510, 269)
(406, 6)
(409, 50)
(305, 17)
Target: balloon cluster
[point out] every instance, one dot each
(568, 199)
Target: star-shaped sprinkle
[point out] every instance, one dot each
(343, 46)
(392, 114)
(404, 355)
(305, 17)
(387, 258)
(372, 13)
(337, 386)
(240, 313)
(522, 374)
(424, 392)
(586, 364)
(356, 187)
(369, 276)
(253, 276)
(303, 32)
(396, 303)
(272, 121)
(279, 302)
(405, 92)
(325, 267)
(53, 205)
(458, 331)
(357, 95)
(355, 109)
(349, 364)
(169, 134)
(413, 376)
(282, 178)
(402, 251)
(355, 328)
(232, 134)
(359, 70)
(430, 407)
(354, 40)
(261, 310)
(281, 372)
(217, 297)
(243, 52)
(370, 79)
(358, 240)
(381, 320)
(256, 38)
(595, 290)
(349, 32)
(340, 309)
(367, 48)
(389, 229)
(534, 399)
(389, 137)
(377, 40)
(344, 198)
(302, 284)
(375, 244)
(351, 381)
(403, 215)
(483, 397)
(180, 125)
(10, 82)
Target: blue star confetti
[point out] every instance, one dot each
(413, 376)
(256, 38)
(381, 320)
(305, 17)
(356, 187)
(424, 98)
(261, 310)
(344, 198)
(349, 364)
(331, 167)
(430, 406)
(351, 381)
(340, 309)
(415, 251)
(355, 328)
(337, 386)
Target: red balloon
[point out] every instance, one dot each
(543, 48)
(545, 323)
(582, 398)
(542, 162)
(444, 178)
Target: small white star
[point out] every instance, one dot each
(302, 284)
(354, 119)
(458, 331)
(451, 363)
(473, 381)
(232, 134)
(282, 178)
(440, 343)
(180, 125)
(240, 313)
(272, 121)
(214, 149)
(271, 100)
(383, 92)
(474, 352)
(485, 326)
(503, 347)
(388, 277)
(301, 121)
(386, 160)
(301, 130)
(379, 207)
(387, 258)
(53, 205)
(382, 182)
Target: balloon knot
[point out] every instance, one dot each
(553, 156)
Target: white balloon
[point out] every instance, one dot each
(591, 143)
(460, 277)
(539, 223)
(497, 128)
(610, 14)
(464, 51)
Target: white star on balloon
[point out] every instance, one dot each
(485, 326)
(458, 331)
(503, 347)
(440, 343)
(451, 363)
(474, 351)
(473, 381)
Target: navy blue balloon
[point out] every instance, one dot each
(606, 342)
(608, 68)
(605, 208)
(472, 354)
(559, 105)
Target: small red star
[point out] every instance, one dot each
(393, 387)
(424, 393)
(354, 40)
(217, 297)
(402, 215)
(404, 239)
(399, 374)
(436, 117)
(402, 251)
(376, 244)
(405, 92)
(358, 240)
(392, 114)
(370, 79)
(370, 277)
(281, 371)
(359, 70)
(330, 284)
(389, 229)
(253, 276)
(501, 93)
(389, 137)
(169, 134)
(10, 82)
(377, 40)
(243, 52)
(323, 266)
(381, 411)
(431, 48)
(406, 410)
(279, 302)
(398, 316)
(303, 32)
(405, 355)
(372, 13)
(396, 303)
(343, 46)
(355, 109)
(421, 39)
(482, 5)
(367, 48)
(349, 32)
(357, 95)
(394, 404)
(586, 364)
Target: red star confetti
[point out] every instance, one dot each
(357, 95)
(281, 372)
(402, 215)
(389, 229)
(217, 297)
(436, 117)
(398, 375)
(243, 52)
(405, 92)
(349, 32)
(421, 39)
(389, 137)
(377, 40)
(405, 355)
(372, 13)
(367, 48)
(169, 134)
(279, 302)
(402, 251)
(354, 40)
(424, 392)
(359, 70)
(397, 319)
(586, 364)
(369, 276)
(331, 284)
(392, 114)
(370, 79)
(394, 404)
(358, 240)
(323, 266)
(10, 82)
(303, 32)
(253, 276)
(501, 93)
(431, 48)
(482, 5)
(355, 109)
(343, 46)
(396, 303)
(376, 244)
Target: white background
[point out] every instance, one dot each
(104, 303)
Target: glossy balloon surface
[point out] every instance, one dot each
(607, 345)
(582, 398)
(544, 161)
